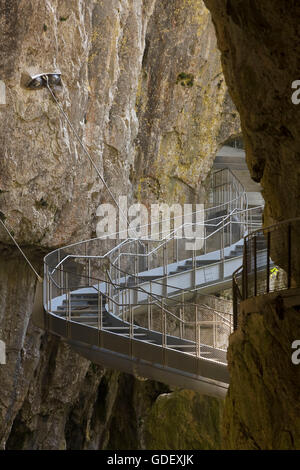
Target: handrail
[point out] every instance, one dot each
(164, 241)
(277, 270)
(240, 196)
(126, 298)
(115, 284)
(139, 288)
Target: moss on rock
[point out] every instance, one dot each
(184, 419)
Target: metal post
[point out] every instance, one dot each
(131, 333)
(199, 340)
(164, 260)
(268, 260)
(183, 313)
(255, 267)
(235, 304)
(61, 269)
(214, 330)
(174, 248)
(69, 313)
(194, 270)
(100, 308)
(47, 289)
(196, 326)
(163, 325)
(125, 305)
(180, 324)
(149, 313)
(222, 252)
(85, 254)
(245, 271)
(135, 261)
(147, 256)
(165, 330)
(89, 271)
(106, 285)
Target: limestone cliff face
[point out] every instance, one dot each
(141, 80)
(261, 55)
(262, 406)
(171, 422)
(49, 192)
(183, 104)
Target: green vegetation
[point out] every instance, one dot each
(185, 79)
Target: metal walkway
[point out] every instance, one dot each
(129, 305)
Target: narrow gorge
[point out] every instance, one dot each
(154, 90)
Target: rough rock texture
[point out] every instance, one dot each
(183, 105)
(49, 193)
(262, 407)
(171, 423)
(114, 86)
(261, 56)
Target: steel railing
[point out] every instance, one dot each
(269, 262)
(100, 261)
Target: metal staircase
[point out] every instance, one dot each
(129, 305)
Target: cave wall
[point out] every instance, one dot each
(260, 53)
(183, 105)
(113, 86)
(262, 406)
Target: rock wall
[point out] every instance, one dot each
(260, 56)
(140, 84)
(176, 421)
(184, 108)
(262, 407)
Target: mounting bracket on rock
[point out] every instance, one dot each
(40, 80)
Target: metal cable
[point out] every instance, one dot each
(87, 153)
(21, 251)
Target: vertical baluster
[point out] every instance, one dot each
(131, 333)
(255, 266)
(194, 269)
(180, 324)
(268, 260)
(235, 304)
(147, 256)
(214, 330)
(245, 270)
(183, 313)
(165, 329)
(149, 312)
(130, 319)
(196, 333)
(199, 339)
(174, 248)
